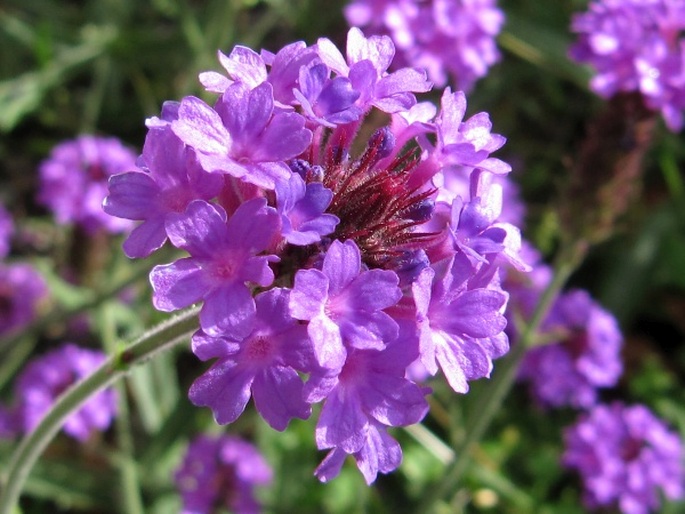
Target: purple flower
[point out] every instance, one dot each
(264, 363)
(221, 472)
(171, 179)
(367, 395)
(625, 455)
(48, 376)
(6, 231)
(21, 290)
(243, 136)
(223, 260)
(327, 102)
(366, 249)
(366, 66)
(344, 305)
(460, 326)
(73, 181)
(302, 207)
(636, 45)
(380, 452)
(446, 37)
(587, 356)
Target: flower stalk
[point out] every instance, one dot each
(164, 336)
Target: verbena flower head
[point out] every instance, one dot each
(636, 45)
(73, 181)
(451, 39)
(626, 458)
(46, 377)
(21, 290)
(325, 272)
(221, 472)
(585, 354)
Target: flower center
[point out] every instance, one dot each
(259, 348)
(377, 207)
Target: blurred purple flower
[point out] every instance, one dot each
(221, 472)
(624, 456)
(46, 377)
(586, 357)
(73, 181)
(636, 45)
(21, 290)
(449, 38)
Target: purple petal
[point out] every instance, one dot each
(200, 230)
(225, 389)
(229, 309)
(253, 225)
(341, 264)
(278, 396)
(328, 345)
(394, 401)
(130, 196)
(200, 127)
(206, 347)
(310, 292)
(177, 285)
(342, 423)
(145, 238)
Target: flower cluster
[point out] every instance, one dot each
(636, 45)
(624, 456)
(311, 261)
(584, 355)
(580, 342)
(221, 472)
(73, 181)
(44, 379)
(449, 38)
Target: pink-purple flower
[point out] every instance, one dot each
(221, 472)
(73, 181)
(263, 364)
(326, 272)
(584, 355)
(223, 261)
(626, 457)
(46, 377)
(451, 39)
(636, 45)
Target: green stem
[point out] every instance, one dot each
(503, 380)
(163, 336)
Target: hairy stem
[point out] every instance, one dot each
(163, 336)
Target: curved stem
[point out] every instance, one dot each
(503, 379)
(163, 336)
